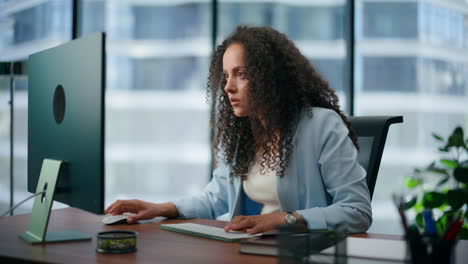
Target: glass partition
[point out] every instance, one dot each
(157, 117)
(411, 60)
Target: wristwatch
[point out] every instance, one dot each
(290, 218)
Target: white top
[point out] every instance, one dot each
(262, 188)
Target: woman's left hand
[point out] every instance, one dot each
(253, 224)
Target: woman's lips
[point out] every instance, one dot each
(235, 102)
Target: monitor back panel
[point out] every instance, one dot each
(78, 139)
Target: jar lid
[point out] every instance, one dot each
(116, 241)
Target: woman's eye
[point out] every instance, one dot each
(241, 75)
(225, 76)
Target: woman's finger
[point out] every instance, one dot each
(254, 230)
(112, 207)
(243, 224)
(123, 206)
(237, 219)
(134, 218)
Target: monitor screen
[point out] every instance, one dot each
(66, 119)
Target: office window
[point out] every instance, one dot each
(32, 26)
(443, 77)
(388, 74)
(410, 60)
(26, 27)
(316, 22)
(233, 13)
(157, 118)
(441, 25)
(168, 76)
(390, 19)
(182, 21)
(333, 70)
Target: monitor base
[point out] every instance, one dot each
(37, 228)
(55, 236)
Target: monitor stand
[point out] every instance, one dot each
(37, 228)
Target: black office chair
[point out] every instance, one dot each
(372, 133)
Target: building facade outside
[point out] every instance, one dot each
(411, 59)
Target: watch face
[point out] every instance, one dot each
(290, 219)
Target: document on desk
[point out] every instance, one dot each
(393, 250)
(207, 232)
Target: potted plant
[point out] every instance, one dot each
(441, 188)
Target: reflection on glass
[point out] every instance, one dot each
(412, 61)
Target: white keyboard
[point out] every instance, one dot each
(207, 231)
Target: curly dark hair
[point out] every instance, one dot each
(282, 83)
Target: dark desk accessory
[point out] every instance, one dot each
(427, 246)
(426, 249)
(297, 244)
(116, 242)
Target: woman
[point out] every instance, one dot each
(281, 140)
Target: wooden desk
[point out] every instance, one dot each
(154, 245)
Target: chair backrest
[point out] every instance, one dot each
(372, 133)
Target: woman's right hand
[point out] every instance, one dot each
(142, 210)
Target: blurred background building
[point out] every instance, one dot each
(410, 58)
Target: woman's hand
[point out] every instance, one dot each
(256, 223)
(142, 210)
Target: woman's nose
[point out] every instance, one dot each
(230, 86)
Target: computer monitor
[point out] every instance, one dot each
(66, 119)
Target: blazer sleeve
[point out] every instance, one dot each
(343, 177)
(211, 202)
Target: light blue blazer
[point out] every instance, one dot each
(323, 182)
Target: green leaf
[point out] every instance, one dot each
(463, 233)
(444, 149)
(419, 220)
(441, 223)
(451, 164)
(439, 171)
(461, 174)
(412, 182)
(456, 198)
(437, 137)
(407, 205)
(443, 181)
(434, 199)
(418, 207)
(456, 139)
(442, 207)
(432, 168)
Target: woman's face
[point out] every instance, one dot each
(236, 88)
